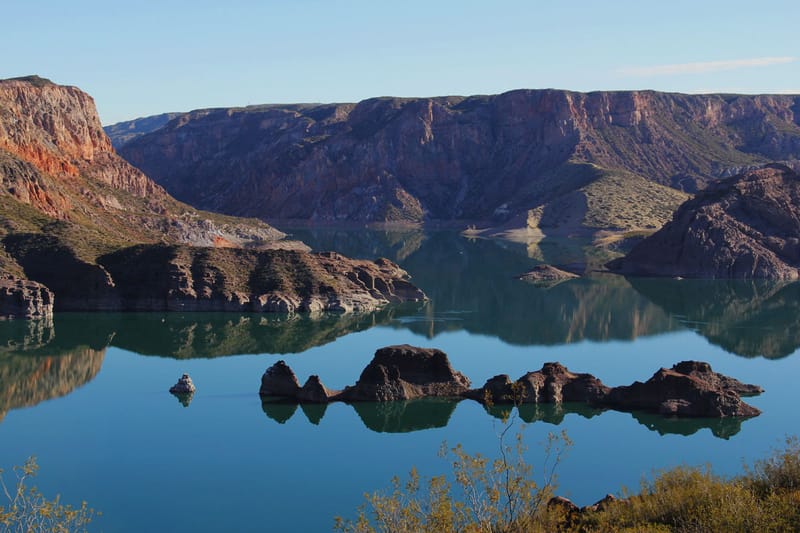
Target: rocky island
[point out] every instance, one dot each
(402, 373)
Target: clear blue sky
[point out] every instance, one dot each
(147, 57)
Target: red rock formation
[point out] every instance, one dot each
(55, 157)
(743, 227)
(414, 159)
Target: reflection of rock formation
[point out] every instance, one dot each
(428, 413)
(404, 417)
(380, 417)
(748, 318)
(192, 335)
(471, 286)
(25, 335)
(213, 335)
(724, 428)
(27, 380)
(395, 244)
(279, 411)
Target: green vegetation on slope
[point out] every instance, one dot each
(614, 200)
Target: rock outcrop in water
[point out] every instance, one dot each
(24, 299)
(407, 373)
(183, 386)
(547, 276)
(746, 227)
(688, 389)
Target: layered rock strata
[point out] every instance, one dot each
(497, 157)
(746, 227)
(402, 373)
(24, 299)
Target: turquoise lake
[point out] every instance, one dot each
(87, 393)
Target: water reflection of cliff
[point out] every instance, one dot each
(747, 318)
(35, 365)
(428, 413)
(220, 334)
(472, 286)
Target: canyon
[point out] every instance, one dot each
(548, 161)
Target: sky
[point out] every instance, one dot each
(148, 57)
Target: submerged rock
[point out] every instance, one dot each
(547, 276)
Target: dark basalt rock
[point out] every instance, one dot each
(405, 373)
(313, 391)
(555, 384)
(547, 276)
(279, 380)
(687, 389)
(183, 386)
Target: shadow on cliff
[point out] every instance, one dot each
(429, 413)
(747, 318)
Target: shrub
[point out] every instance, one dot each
(29, 510)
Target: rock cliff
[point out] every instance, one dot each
(745, 227)
(56, 159)
(70, 209)
(466, 158)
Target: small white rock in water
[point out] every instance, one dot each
(183, 386)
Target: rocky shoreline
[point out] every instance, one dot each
(403, 372)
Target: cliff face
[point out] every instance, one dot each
(56, 159)
(479, 158)
(124, 132)
(746, 227)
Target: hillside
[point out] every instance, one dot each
(124, 132)
(67, 199)
(484, 159)
(745, 227)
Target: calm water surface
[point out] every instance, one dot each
(87, 393)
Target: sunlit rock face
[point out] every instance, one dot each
(456, 158)
(745, 227)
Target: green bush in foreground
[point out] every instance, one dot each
(500, 496)
(27, 510)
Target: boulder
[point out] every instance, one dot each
(554, 383)
(684, 391)
(279, 380)
(313, 391)
(183, 386)
(405, 373)
(703, 372)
